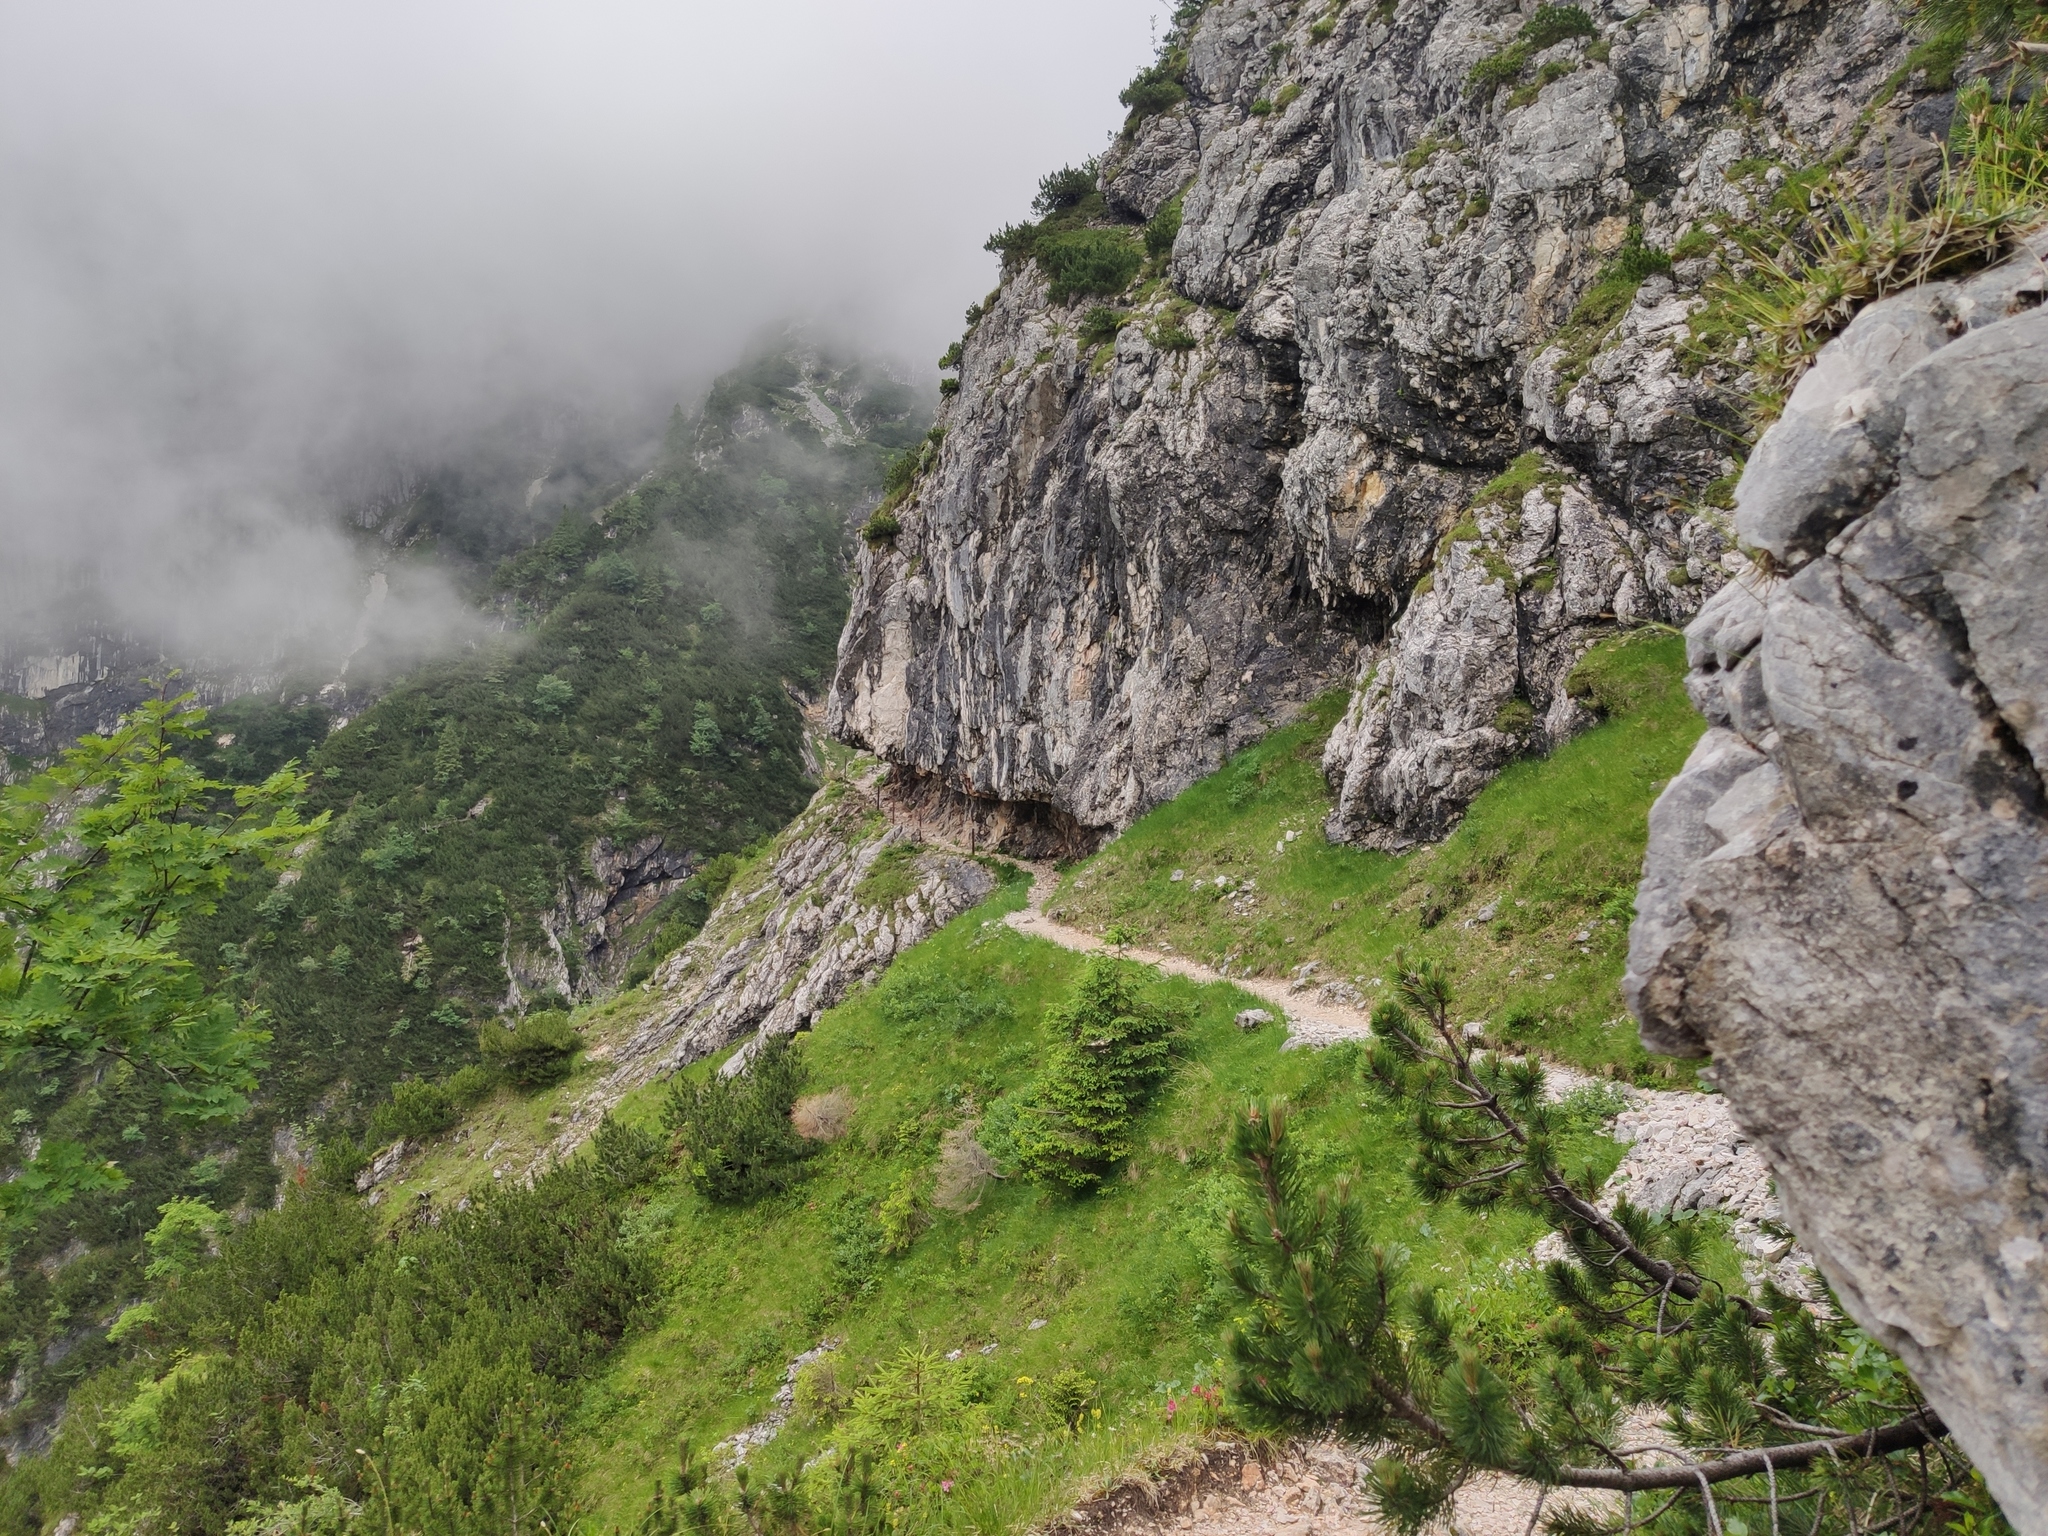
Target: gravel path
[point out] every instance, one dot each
(1318, 1017)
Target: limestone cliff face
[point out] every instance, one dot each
(1128, 560)
(1847, 888)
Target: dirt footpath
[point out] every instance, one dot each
(1311, 1489)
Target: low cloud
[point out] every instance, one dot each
(261, 264)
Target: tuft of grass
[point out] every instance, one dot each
(1508, 488)
(891, 878)
(881, 527)
(1427, 150)
(1601, 307)
(1804, 273)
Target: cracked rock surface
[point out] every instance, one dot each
(1131, 557)
(1846, 889)
(843, 891)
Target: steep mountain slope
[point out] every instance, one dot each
(512, 829)
(1403, 391)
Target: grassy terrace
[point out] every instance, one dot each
(1551, 852)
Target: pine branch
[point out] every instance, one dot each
(1430, 993)
(1903, 1435)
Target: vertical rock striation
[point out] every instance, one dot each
(1389, 284)
(1846, 889)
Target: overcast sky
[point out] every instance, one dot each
(237, 237)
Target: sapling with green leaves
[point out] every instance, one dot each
(1765, 1411)
(104, 858)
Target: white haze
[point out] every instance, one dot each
(252, 252)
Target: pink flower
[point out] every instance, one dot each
(946, 1486)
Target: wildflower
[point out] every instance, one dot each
(946, 1485)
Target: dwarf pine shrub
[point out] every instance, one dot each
(736, 1131)
(531, 1052)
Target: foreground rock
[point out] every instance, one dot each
(1846, 893)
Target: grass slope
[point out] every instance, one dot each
(1551, 851)
(1124, 1287)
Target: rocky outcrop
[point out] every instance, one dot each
(1846, 889)
(64, 684)
(841, 892)
(1474, 673)
(1131, 556)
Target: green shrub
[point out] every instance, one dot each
(881, 526)
(186, 1233)
(1284, 98)
(1169, 335)
(705, 735)
(1636, 260)
(1113, 1041)
(1499, 69)
(1320, 29)
(952, 357)
(1163, 228)
(1064, 188)
(417, 1110)
(627, 1155)
(1552, 24)
(1067, 1396)
(472, 1084)
(551, 694)
(1085, 261)
(903, 1214)
(1100, 325)
(736, 1132)
(1262, 108)
(337, 1161)
(533, 1051)
(614, 572)
(949, 387)
(1154, 90)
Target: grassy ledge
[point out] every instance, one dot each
(1550, 853)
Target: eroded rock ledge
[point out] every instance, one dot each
(1846, 893)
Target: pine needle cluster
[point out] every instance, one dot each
(1707, 1409)
(1113, 1047)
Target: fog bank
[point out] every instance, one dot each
(258, 261)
